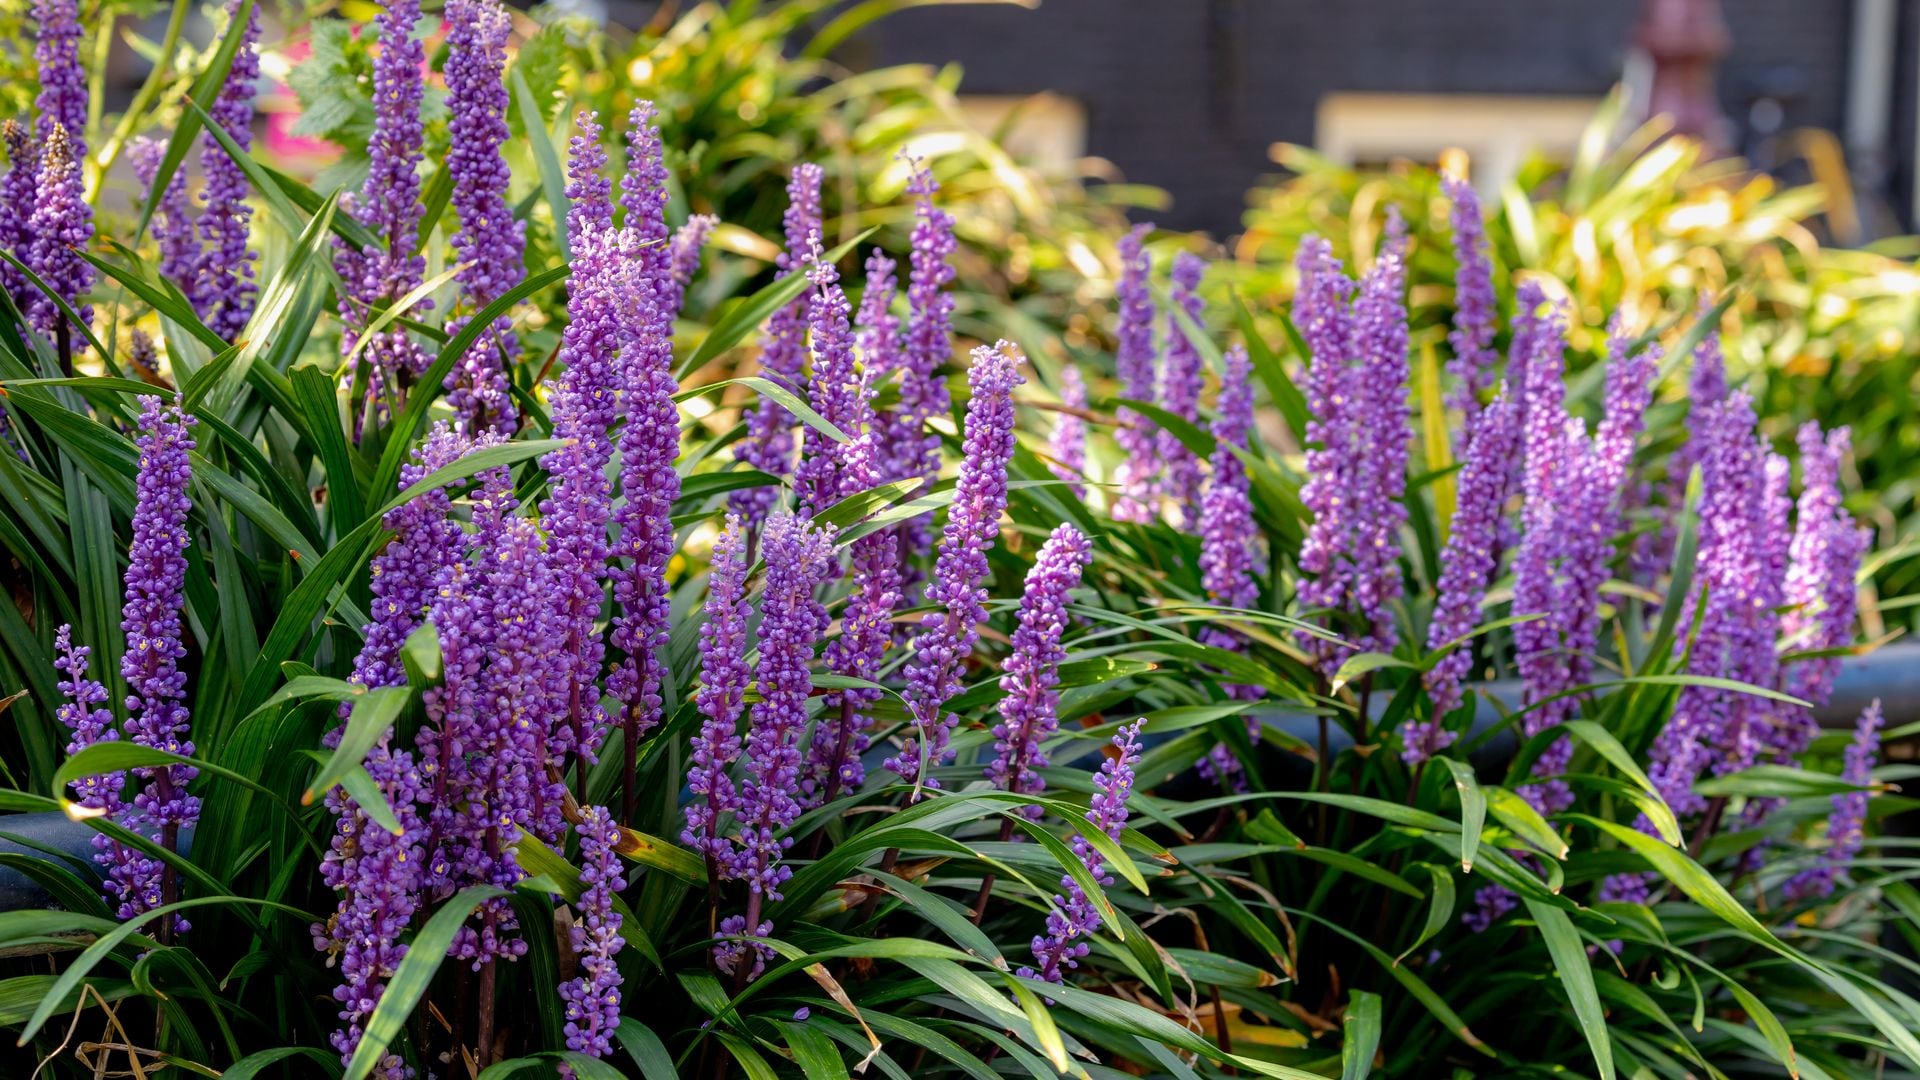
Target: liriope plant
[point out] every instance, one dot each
(444, 682)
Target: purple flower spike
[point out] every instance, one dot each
(61, 223)
(1563, 558)
(172, 214)
(86, 717)
(1490, 902)
(1232, 560)
(1074, 913)
(833, 388)
(940, 651)
(128, 874)
(721, 698)
(1548, 456)
(1846, 825)
(730, 956)
(150, 617)
(1067, 443)
(643, 190)
(1383, 429)
(580, 499)
(1180, 384)
(1466, 569)
(389, 206)
(1825, 558)
(1322, 312)
(62, 100)
(1030, 712)
(1597, 513)
(769, 443)
(1473, 306)
(928, 345)
(1133, 362)
(649, 444)
(866, 623)
(797, 557)
(689, 243)
(1707, 386)
(1711, 727)
(593, 999)
(426, 540)
(589, 192)
(1554, 448)
(379, 874)
(491, 243)
(17, 197)
(877, 329)
(223, 290)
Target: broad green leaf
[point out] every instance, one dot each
(22, 994)
(779, 395)
(813, 1051)
(1266, 364)
(1360, 665)
(546, 158)
(1782, 781)
(1436, 441)
(360, 787)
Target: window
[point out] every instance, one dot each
(1048, 131)
(1497, 131)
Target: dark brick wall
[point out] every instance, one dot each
(1188, 94)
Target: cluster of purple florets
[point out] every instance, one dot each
(516, 599)
(1075, 914)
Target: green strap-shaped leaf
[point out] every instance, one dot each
(747, 316)
(428, 388)
(553, 178)
(648, 1053)
(410, 980)
(1266, 364)
(1473, 810)
(780, 395)
(1603, 743)
(1439, 913)
(1362, 1031)
(167, 302)
(1576, 977)
(205, 88)
(1045, 1031)
(249, 1067)
(127, 931)
(373, 715)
